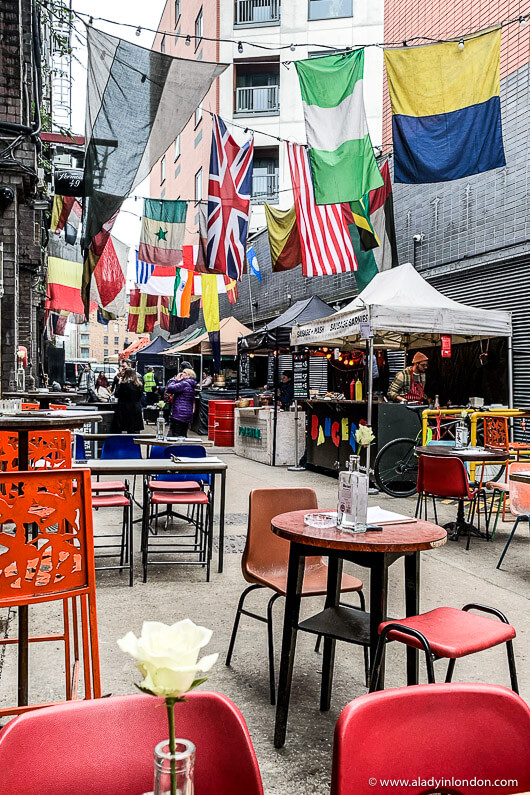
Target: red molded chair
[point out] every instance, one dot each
(446, 476)
(106, 746)
(449, 633)
(433, 737)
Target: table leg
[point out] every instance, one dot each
(23, 616)
(145, 526)
(412, 608)
(222, 520)
(328, 656)
(378, 608)
(295, 579)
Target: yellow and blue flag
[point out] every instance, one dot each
(446, 112)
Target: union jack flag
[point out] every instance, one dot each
(229, 191)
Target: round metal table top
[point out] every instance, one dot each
(413, 536)
(478, 454)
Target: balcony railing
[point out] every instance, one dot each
(264, 188)
(258, 99)
(257, 12)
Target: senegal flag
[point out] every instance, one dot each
(163, 228)
(340, 150)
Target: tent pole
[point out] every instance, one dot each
(238, 371)
(510, 373)
(370, 394)
(275, 420)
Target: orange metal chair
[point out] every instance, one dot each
(46, 531)
(30, 406)
(58, 406)
(266, 558)
(497, 437)
(47, 450)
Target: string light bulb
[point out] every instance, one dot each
(461, 45)
(188, 40)
(292, 48)
(138, 31)
(240, 47)
(522, 21)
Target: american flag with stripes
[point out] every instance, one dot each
(326, 243)
(143, 270)
(229, 191)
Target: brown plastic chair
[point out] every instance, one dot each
(266, 558)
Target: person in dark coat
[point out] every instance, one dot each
(129, 392)
(182, 390)
(286, 390)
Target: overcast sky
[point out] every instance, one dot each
(138, 13)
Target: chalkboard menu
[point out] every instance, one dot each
(301, 375)
(270, 370)
(244, 371)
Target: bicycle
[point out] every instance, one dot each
(396, 464)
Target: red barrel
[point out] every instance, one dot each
(211, 418)
(224, 423)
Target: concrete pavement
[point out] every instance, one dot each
(450, 576)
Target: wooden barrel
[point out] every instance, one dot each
(224, 423)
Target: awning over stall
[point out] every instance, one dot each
(277, 333)
(231, 330)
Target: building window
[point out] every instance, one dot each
(257, 12)
(177, 148)
(198, 29)
(177, 11)
(198, 185)
(85, 353)
(257, 88)
(330, 9)
(162, 169)
(198, 114)
(163, 43)
(105, 340)
(116, 327)
(105, 351)
(116, 350)
(265, 175)
(116, 340)
(85, 339)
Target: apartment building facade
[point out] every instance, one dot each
(93, 340)
(259, 90)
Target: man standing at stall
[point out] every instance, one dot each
(409, 384)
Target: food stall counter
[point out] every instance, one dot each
(254, 434)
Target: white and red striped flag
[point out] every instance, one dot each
(324, 235)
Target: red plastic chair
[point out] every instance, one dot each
(106, 746)
(58, 406)
(448, 633)
(446, 477)
(30, 406)
(433, 733)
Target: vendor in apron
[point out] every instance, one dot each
(409, 384)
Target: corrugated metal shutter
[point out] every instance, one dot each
(396, 362)
(504, 287)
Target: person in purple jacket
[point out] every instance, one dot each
(182, 389)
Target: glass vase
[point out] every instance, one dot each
(174, 772)
(352, 508)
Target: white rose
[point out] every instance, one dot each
(167, 655)
(364, 435)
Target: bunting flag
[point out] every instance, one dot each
(163, 318)
(229, 191)
(381, 218)
(66, 216)
(54, 324)
(210, 302)
(284, 239)
(341, 153)
(253, 262)
(163, 229)
(143, 270)
(219, 281)
(179, 324)
(161, 281)
(138, 101)
(231, 289)
(97, 247)
(182, 291)
(107, 289)
(446, 111)
(65, 271)
(360, 214)
(143, 312)
(214, 338)
(325, 240)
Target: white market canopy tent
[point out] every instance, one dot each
(402, 310)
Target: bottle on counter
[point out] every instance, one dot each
(461, 434)
(160, 426)
(352, 507)
(436, 402)
(358, 389)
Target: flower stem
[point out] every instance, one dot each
(170, 707)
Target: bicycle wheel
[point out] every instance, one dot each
(396, 468)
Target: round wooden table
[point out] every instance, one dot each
(375, 550)
(24, 423)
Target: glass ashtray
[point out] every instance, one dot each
(328, 519)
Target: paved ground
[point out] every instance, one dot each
(450, 576)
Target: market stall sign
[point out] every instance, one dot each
(253, 433)
(345, 324)
(445, 339)
(301, 375)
